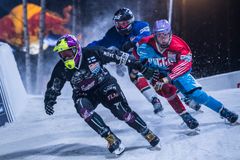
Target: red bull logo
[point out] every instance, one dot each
(11, 25)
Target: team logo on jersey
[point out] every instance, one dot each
(112, 96)
(92, 59)
(94, 67)
(87, 84)
(108, 54)
(110, 88)
(172, 57)
(117, 17)
(145, 29)
(160, 62)
(187, 57)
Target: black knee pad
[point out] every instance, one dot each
(121, 110)
(84, 108)
(129, 117)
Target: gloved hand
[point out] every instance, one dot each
(165, 80)
(156, 76)
(49, 107)
(146, 71)
(127, 46)
(159, 84)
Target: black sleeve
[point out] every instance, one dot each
(55, 84)
(107, 55)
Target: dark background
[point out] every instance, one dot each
(210, 27)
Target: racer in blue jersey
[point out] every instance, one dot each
(124, 35)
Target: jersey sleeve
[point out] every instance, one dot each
(111, 55)
(55, 83)
(143, 31)
(184, 63)
(106, 41)
(105, 55)
(144, 54)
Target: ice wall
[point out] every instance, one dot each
(12, 86)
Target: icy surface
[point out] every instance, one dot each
(65, 136)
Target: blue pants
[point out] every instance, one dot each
(188, 85)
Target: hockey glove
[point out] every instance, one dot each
(127, 46)
(49, 107)
(159, 84)
(133, 75)
(165, 80)
(147, 72)
(156, 76)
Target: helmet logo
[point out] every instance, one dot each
(129, 11)
(117, 17)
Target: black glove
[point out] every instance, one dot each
(127, 46)
(146, 71)
(160, 82)
(49, 107)
(156, 76)
(137, 64)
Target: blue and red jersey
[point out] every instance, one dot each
(175, 60)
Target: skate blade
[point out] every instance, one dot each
(183, 125)
(160, 114)
(117, 153)
(236, 123)
(199, 111)
(119, 150)
(232, 124)
(192, 132)
(155, 148)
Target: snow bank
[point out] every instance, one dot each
(12, 84)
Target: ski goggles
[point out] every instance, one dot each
(68, 54)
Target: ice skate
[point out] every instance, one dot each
(114, 144)
(153, 140)
(230, 116)
(158, 108)
(191, 122)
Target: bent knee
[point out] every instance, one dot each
(168, 90)
(199, 96)
(128, 117)
(85, 113)
(84, 108)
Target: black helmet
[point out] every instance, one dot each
(123, 20)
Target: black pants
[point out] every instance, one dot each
(111, 96)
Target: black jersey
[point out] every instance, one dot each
(89, 73)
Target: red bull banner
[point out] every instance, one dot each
(11, 25)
